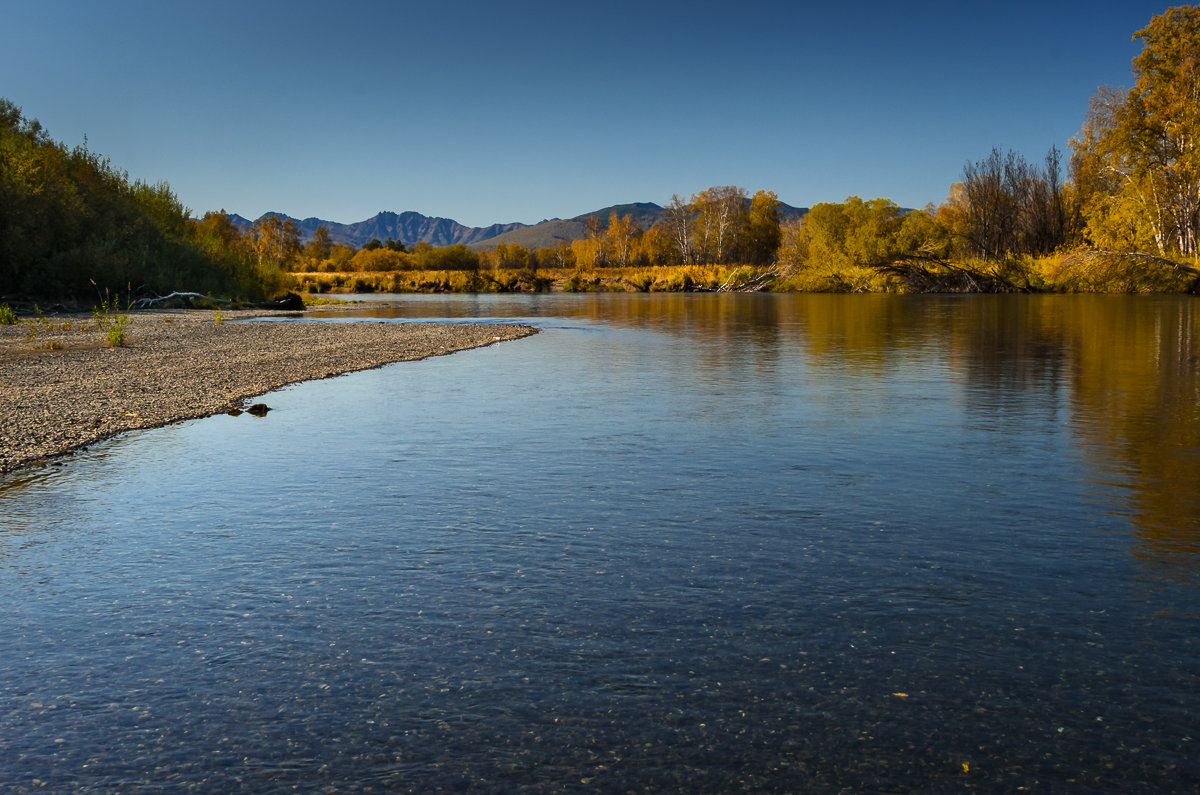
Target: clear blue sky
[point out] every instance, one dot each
(517, 111)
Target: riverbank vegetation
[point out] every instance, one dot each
(1120, 214)
(665, 278)
(70, 220)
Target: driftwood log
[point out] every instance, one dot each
(290, 302)
(146, 303)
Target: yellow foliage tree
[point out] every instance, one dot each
(760, 235)
(621, 237)
(276, 241)
(1137, 158)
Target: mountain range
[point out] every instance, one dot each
(413, 227)
(408, 227)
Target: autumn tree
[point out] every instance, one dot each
(760, 234)
(590, 252)
(858, 233)
(321, 244)
(317, 250)
(447, 258)
(921, 233)
(276, 240)
(720, 212)
(217, 234)
(340, 256)
(380, 259)
(704, 213)
(593, 251)
(1137, 158)
(678, 221)
(560, 255)
(510, 256)
(621, 236)
(655, 247)
(841, 246)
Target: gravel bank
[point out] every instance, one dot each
(62, 388)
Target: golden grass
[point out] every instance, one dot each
(1054, 273)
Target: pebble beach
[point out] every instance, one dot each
(62, 387)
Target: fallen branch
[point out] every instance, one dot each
(1087, 256)
(1124, 271)
(925, 273)
(754, 285)
(144, 303)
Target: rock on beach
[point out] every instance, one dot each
(62, 387)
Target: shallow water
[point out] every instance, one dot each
(697, 543)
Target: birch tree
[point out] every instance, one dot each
(720, 212)
(1136, 159)
(678, 219)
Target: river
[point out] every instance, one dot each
(698, 543)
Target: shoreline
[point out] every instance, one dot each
(62, 388)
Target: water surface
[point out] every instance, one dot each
(696, 543)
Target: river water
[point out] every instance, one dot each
(671, 543)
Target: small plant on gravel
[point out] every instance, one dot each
(110, 319)
(116, 334)
(7, 316)
(36, 325)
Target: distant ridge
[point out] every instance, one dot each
(412, 227)
(408, 227)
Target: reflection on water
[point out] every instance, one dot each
(697, 543)
(1122, 372)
